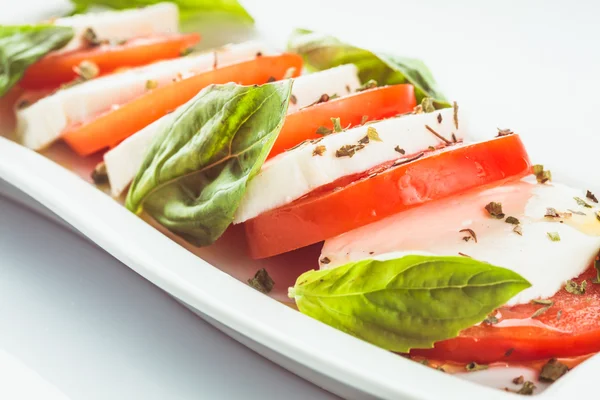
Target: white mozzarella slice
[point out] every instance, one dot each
(43, 122)
(339, 81)
(297, 172)
(434, 228)
(123, 161)
(121, 25)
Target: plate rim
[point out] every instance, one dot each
(193, 280)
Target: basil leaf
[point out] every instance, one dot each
(23, 45)
(322, 52)
(406, 303)
(197, 169)
(187, 8)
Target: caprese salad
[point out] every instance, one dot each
(434, 245)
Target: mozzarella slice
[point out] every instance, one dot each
(121, 25)
(434, 228)
(339, 81)
(123, 162)
(43, 122)
(295, 173)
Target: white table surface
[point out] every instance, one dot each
(77, 324)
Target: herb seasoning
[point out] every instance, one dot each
(319, 150)
(546, 303)
(349, 150)
(518, 229)
(324, 98)
(151, 84)
(439, 118)
(427, 105)
(504, 132)
(99, 174)
(597, 267)
(553, 370)
(591, 196)
(186, 52)
(512, 220)
(262, 281)
(443, 139)
(370, 84)
(473, 366)
(87, 70)
(518, 380)
(399, 150)
(325, 260)
(495, 209)
(573, 288)
(471, 233)
(581, 202)
(455, 108)
(322, 130)
(293, 99)
(554, 236)
(527, 388)
(373, 135)
(337, 125)
(90, 38)
(541, 175)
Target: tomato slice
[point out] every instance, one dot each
(355, 109)
(58, 68)
(569, 328)
(115, 125)
(358, 200)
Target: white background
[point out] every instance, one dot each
(95, 330)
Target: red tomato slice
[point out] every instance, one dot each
(374, 104)
(569, 328)
(113, 126)
(358, 200)
(58, 68)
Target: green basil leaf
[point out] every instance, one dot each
(197, 169)
(322, 52)
(23, 45)
(406, 303)
(187, 8)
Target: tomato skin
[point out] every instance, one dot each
(574, 332)
(56, 69)
(358, 200)
(374, 104)
(113, 126)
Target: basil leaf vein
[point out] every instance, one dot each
(196, 171)
(322, 52)
(23, 45)
(406, 303)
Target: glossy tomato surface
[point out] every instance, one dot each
(352, 110)
(569, 327)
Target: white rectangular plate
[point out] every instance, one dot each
(526, 74)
